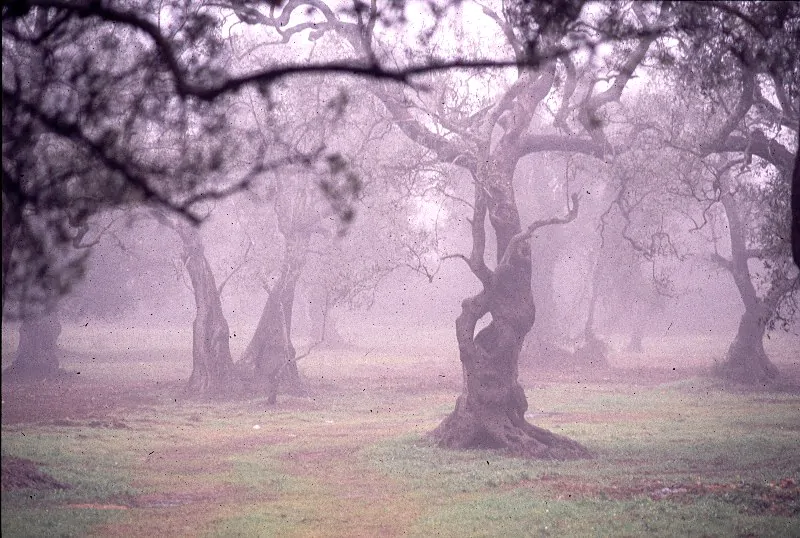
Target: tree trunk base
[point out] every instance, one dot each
(746, 362)
(514, 436)
(290, 381)
(754, 371)
(29, 373)
(593, 354)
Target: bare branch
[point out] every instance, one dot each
(235, 269)
(524, 235)
(572, 212)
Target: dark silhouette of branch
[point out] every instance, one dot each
(185, 87)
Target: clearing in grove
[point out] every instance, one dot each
(115, 450)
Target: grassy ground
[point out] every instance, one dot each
(674, 454)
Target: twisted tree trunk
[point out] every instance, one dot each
(270, 351)
(490, 412)
(212, 365)
(746, 361)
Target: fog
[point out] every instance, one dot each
(426, 268)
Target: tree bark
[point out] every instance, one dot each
(594, 351)
(270, 350)
(490, 412)
(746, 360)
(37, 353)
(212, 365)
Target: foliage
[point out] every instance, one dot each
(91, 121)
(717, 41)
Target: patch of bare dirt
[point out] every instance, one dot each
(19, 473)
(780, 498)
(96, 506)
(788, 379)
(173, 499)
(177, 513)
(644, 376)
(66, 400)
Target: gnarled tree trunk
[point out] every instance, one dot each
(490, 412)
(746, 360)
(271, 354)
(37, 353)
(270, 351)
(212, 366)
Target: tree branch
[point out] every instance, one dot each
(771, 151)
(524, 235)
(534, 143)
(739, 112)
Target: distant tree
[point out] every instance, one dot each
(747, 213)
(213, 372)
(397, 234)
(621, 288)
(742, 139)
(271, 352)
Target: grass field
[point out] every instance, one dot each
(675, 454)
